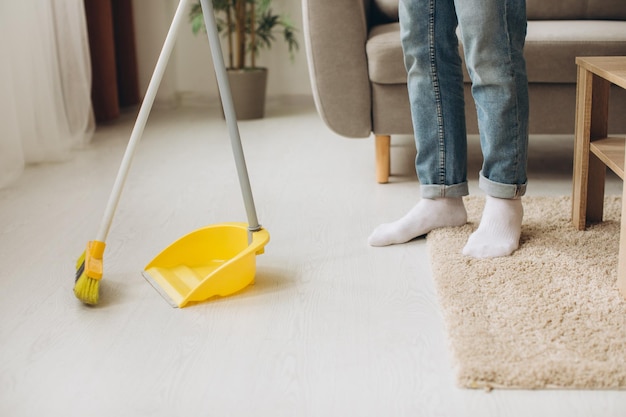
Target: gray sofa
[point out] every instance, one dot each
(359, 80)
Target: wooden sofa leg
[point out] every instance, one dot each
(383, 158)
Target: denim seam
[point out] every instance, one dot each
(517, 103)
(437, 91)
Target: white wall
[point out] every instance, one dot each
(190, 75)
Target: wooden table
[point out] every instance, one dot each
(594, 150)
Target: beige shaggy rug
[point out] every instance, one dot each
(549, 316)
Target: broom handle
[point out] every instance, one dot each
(229, 113)
(140, 123)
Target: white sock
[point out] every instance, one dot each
(428, 214)
(499, 230)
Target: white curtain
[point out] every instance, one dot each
(45, 83)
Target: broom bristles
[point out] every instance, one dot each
(86, 287)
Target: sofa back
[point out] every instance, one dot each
(387, 10)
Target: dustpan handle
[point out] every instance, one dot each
(229, 112)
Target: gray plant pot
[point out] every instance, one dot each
(248, 87)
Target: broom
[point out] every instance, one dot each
(89, 264)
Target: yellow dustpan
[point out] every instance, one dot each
(216, 260)
(212, 261)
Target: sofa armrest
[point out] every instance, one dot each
(335, 34)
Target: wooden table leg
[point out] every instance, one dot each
(581, 148)
(592, 95)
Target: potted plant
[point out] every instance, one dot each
(248, 26)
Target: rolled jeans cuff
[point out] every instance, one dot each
(500, 190)
(438, 191)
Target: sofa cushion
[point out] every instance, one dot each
(575, 9)
(385, 60)
(551, 48)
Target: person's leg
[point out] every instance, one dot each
(493, 34)
(435, 85)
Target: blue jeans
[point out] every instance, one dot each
(492, 33)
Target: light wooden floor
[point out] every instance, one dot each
(331, 328)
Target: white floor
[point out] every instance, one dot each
(332, 327)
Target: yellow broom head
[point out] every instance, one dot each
(89, 273)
